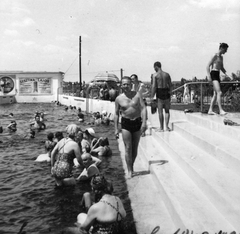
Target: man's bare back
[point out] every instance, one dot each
(162, 79)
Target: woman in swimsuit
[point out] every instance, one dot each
(104, 216)
(66, 150)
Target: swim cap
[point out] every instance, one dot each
(91, 132)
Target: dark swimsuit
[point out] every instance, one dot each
(163, 93)
(108, 228)
(215, 75)
(132, 125)
(64, 164)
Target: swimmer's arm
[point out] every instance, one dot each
(53, 154)
(116, 117)
(91, 216)
(95, 144)
(143, 90)
(32, 123)
(170, 83)
(96, 160)
(9, 125)
(143, 110)
(77, 153)
(154, 83)
(225, 72)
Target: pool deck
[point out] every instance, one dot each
(188, 178)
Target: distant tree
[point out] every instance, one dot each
(238, 73)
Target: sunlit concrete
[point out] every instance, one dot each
(193, 181)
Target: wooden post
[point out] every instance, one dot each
(80, 65)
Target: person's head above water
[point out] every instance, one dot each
(59, 135)
(87, 159)
(101, 186)
(50, 136)
(99, 183)
(72, 130)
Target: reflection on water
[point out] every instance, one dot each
(27, 190)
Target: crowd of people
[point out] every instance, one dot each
(82, 148)
(36, 124)
(79, 150)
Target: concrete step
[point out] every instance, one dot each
(217, 183)
(220, 147)
(216, 124)
(155, 154)
(187, 205)
(148, 210)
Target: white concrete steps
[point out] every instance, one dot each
(199, 167)
(218, 146)
(148, 210)
(155, 154)
(216, 124)
(186, 203)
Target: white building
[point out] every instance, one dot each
(20, 86)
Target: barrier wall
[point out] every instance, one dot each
(30, 87)
(94, 105)
(88, 105)
(7, 99)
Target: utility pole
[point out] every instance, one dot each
(121, 73)
(80, 65)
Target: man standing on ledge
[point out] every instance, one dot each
(214, 67)
(162, 86)
(133, 111)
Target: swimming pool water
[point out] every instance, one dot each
(27, 190)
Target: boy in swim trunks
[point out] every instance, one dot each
(162, 86)
(214, 67)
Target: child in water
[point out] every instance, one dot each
(49, 143)
(12, 127)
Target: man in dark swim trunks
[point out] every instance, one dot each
(214, 67)
(162, 87)
(133, 111)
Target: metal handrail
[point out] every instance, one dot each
(201, 88)
(204, 82)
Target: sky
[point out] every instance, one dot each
(43, 35)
